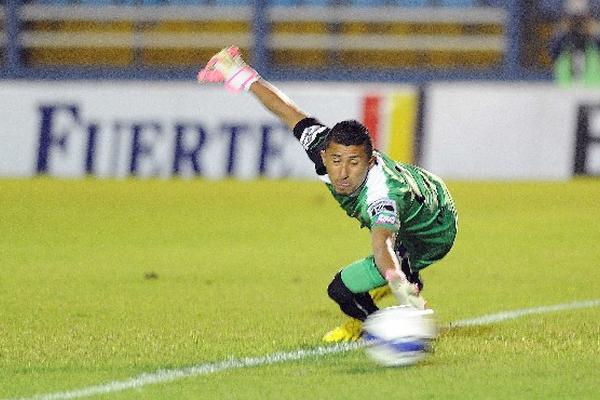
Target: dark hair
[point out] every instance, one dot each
(351, 133)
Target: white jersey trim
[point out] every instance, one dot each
(376, 183)
(381, 209)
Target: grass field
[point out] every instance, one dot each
(104, 280)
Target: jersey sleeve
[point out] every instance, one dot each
(383, 213)
(312, 134)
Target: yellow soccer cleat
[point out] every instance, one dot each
(380, 292)
(349, 331)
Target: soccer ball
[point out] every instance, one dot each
(399, 336)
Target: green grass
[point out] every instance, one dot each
(240, 269)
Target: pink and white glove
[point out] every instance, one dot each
(406, 293)
(228, 66)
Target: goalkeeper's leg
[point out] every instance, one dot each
(354, 305)
(350, 290)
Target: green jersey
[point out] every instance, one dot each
(406, 199)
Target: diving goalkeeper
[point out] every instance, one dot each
(408, 210)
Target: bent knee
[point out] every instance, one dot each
(338, 291)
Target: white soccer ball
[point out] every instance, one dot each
(399, 336)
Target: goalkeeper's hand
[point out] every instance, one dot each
(406, 293)
(227, 66)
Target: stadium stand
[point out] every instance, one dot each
(388, 37)
(121, 35)
(317, 34)
(2, 34)
(379, 3)
(458, 3)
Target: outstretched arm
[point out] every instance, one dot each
(277, 102)
(229, 68)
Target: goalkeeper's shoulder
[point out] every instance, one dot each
(310, 132)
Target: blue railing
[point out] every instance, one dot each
(15, 67)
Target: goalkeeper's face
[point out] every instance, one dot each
(347, 166)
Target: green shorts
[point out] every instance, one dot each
(363, 275)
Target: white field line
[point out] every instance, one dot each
(505, 315)
(169, 375)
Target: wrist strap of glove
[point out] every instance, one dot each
(241, 79)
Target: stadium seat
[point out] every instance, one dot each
(152, 2)
(283, 2)
(401, 3)
(300, 2)
(183, 2)
(224, 3)
(155, 56)
(103, 2)
(53, 2)
(498, 3)
(550, 5)
(458, 3)
(323, 3)
(413, 3)
(367, 3)
(230, 3)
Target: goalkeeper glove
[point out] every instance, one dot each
(406, 293)
(228, 66)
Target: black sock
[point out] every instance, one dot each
(355, 305)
